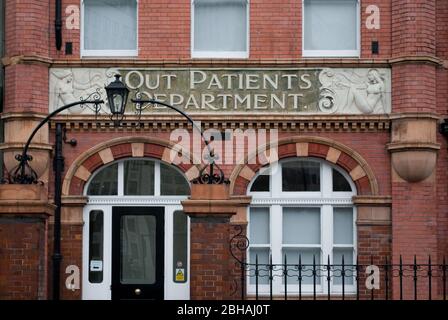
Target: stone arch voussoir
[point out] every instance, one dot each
(307, 146)
(88, 162)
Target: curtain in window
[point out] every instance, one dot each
(110, 24)
(220, 25)
(330, 24)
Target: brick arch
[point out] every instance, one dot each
(330, 150)
(88, 162)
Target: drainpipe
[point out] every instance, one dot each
(58, 25)
(58, 166)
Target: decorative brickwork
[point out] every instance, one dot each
(400, 211)
(83, 167)
(346, 158)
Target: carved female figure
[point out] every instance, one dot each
(65, 86)
(369, 97)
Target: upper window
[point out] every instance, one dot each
(109, 28)
(220, 28)
(142, 177)
(331, 28)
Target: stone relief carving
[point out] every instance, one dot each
(289, 91)
(355, 91)
(70, 85)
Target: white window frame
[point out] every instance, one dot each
(334, 53)
(275, 200)
(107, 53)
(220, 54)
(120, 181)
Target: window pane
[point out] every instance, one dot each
(330, 24)
(301, 225)
(343, 225)
(110, 24)
(301, 176)
(138, 249)
(261, 184)
(306, 255)
(138, 178)
(105, 182)
(263, 260)
(180, 246)
(259, 225)
(340, 184)
(173, 183)
(348, 265)
(220, 25)
(96, 237)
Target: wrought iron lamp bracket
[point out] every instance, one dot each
(210, 173)
(23, 173)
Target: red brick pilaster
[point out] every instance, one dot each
(23, 242)
(210, 208)
(414, 144)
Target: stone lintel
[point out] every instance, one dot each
(373, 210)
(21, 207)
(23, 192)
(374, 216)
(202, 208)
(74, 201)
(382, 201)
(210, 192)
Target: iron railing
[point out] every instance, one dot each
(373, 278)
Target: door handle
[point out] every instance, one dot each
(137, 292)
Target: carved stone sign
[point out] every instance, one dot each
(297, 91)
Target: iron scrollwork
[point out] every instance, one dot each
(23, 173)
(210, 173)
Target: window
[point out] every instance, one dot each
(142, 177)
(304, 214)
(180, 247)
(109, 28)
(96, 239)
(105, 182)
(139, 178)
(331, 28)
(220, 28)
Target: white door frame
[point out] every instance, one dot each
(102, 291)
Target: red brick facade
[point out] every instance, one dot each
(413, 43)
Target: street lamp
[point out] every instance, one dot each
(24, 173)
(117, 94)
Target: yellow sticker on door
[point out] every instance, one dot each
(180, 275)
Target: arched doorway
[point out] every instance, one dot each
(135, 235)
(301, 209)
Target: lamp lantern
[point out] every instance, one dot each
(117, 96)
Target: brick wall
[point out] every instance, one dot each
(210, 277)
(22, 257)
(374, 246)
(382, 35)
(71, 251)
(275, 30)
(24, 86)
(413, 27)
(26, 27)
